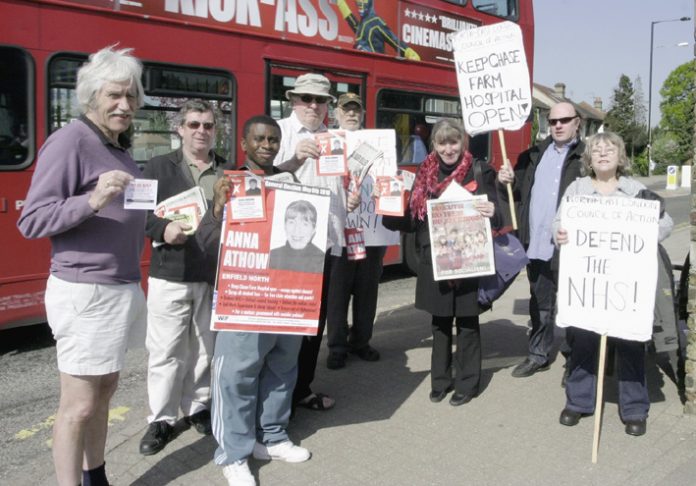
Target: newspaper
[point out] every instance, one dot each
(187, 207)
(361, 160)
(382, 140)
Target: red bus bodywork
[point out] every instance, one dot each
(251, 40)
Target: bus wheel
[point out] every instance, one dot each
(410, 255)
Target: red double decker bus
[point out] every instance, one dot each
(241, 55)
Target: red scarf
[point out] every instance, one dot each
(426, 186)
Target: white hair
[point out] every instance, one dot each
(108, 66)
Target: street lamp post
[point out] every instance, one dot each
(652, 35)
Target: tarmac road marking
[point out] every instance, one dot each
(30, 432)
(117, 414)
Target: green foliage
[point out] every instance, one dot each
(620, 117)
(677, 108)
(664, 151)
(639, 165)
(625, 114)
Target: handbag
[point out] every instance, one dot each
(510, 258)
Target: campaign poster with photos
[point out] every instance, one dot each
(332, 156)
(460, 239)
(269, 276)
(247, 197)
(392, 196)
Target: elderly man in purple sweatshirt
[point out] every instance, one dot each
(93, 295)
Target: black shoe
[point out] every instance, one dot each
(528, 368)
(636, 427)
(569, 418)
(459, 399)
(336, 361)
(438, 396)
(158, 435)
(368, 353)
(201, 422)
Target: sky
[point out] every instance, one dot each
(588, 44)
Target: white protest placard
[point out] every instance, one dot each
(364, 216)
(608, 269)
(493, 77)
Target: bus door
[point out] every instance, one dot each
(20, 262)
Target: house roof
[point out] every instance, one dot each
(592, 112)
(545, 97)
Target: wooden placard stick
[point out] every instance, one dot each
(600, 396)
(506, 162)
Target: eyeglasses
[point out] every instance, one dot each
(319, 100)
(564, 121)
(608, 151)
(351, 107)
(195, 125)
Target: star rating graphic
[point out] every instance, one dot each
(419, 15)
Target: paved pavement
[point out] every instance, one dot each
(385, 431)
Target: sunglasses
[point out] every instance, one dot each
(319, 100)
(354, 107)
(195, 125)
(564, 121)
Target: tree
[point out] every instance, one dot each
(663, 149)
(626, 116)
(677, 109)
(640, 126)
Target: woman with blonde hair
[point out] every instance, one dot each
(607, 166)
(450, 162)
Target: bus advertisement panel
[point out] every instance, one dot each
(402, 29)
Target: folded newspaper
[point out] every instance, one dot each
(361, 160)
(359, 163)
(187, 207)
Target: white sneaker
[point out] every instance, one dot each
(283, 451)
(238, 474)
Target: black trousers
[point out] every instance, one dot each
(360, 279)
(467, 356)
(309, 352)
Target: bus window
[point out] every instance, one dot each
(412, 115)
(283, 78)
(16, 131)
(166, 88)
(506, 9)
